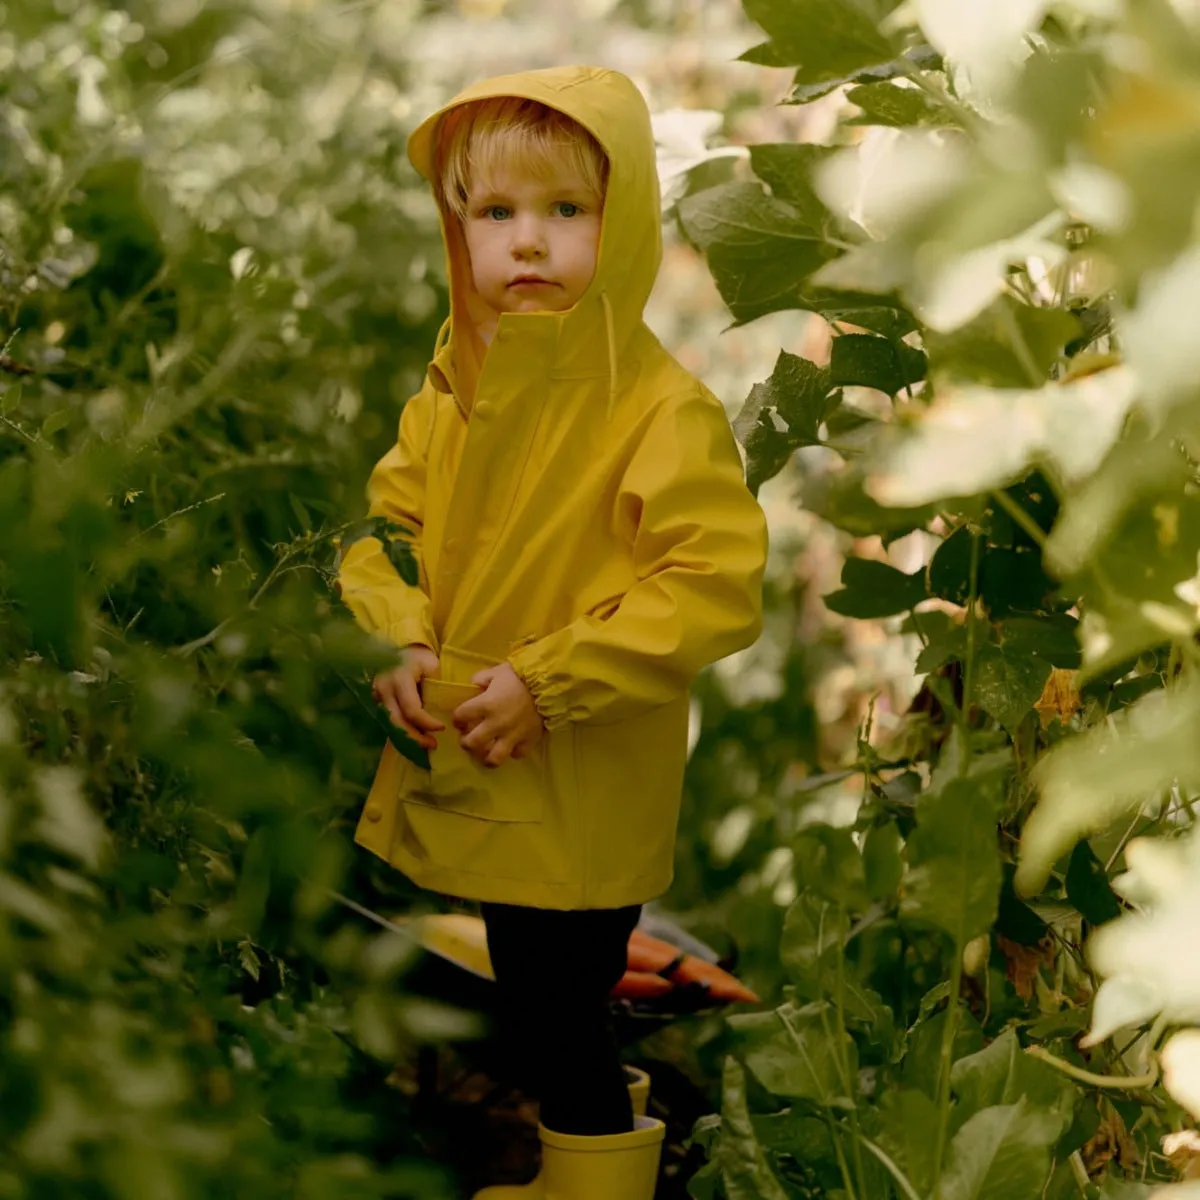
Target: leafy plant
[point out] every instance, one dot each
(1001, 240)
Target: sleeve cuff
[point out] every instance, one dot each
(549, 701)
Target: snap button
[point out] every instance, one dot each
(485, 410)
(374, 813)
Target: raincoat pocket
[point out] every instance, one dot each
(457, 782)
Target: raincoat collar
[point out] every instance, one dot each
(589, 339)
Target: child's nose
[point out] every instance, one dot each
(528, 238)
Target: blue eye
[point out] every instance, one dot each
(567, 209)
(497, 212)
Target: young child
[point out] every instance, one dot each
(586, 545)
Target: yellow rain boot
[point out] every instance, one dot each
(639, 1090)
(616, 1166)
(639, 1095)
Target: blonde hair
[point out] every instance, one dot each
(510, 132)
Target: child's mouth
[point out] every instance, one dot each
(530, 281)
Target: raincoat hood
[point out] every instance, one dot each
(590, 338)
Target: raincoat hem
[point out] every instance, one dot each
(490, 888)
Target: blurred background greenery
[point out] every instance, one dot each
(219, 281)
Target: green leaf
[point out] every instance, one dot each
(953, 877)
(744, 1169)
(888, 104)
(786, 168)
(826, 40)
(906, 1117)
(986, 349)
(814, 933)
(799, 391)
(950, 568)
(882, 864)
(10, 398)
(875, 589)
(1007, 684)
(1015, 920)
(1013, 580)
(1001, 1074)
(249, 960)
(301, 512)
(760, 250)
(841, 499)
(793, 1053)
(863, 360)
(973, 439)
(943, 648)
(796, 397)
(1089, 781)
(1088, 888)
(999, 1154)
(1052, 637)
(56, 421)
(829, 864)
(921, 1067)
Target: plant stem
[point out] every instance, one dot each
(956, 974)
(1131, 1083)
(945, 1064)
(1021, 516)
(969, 673)
(901, 1179)
(847, 1080)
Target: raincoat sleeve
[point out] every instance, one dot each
(699, 545)
(381, 601)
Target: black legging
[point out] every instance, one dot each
(554, 972)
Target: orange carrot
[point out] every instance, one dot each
(641, 985)
(652, 954)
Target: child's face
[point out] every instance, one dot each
(532, 242)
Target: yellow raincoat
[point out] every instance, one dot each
(578, 508)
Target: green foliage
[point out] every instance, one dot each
(1013, 373)
(200, 364)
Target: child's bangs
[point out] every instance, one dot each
(512, 135)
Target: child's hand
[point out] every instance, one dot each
(502, 722)
(397, 691)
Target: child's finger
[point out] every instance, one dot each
(469, 713)
(499, 754)
(411, 706)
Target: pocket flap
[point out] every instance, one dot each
(444, 696)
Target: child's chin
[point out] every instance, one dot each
(532, 305)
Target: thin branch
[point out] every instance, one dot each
(1129, 1083)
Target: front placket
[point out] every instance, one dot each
(508, 401)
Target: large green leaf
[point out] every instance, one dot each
(1008, 684)
(760, 250)
(829, 864)
(786, 168)
(826, 40)
(906, 1118)
(794, 1052)
(782, 414)
(1002, 1073)
(953, 876)
(999, 1154)
(1002, 345)
(1088, 887)
(863, 360)
(1089, 781)
(875, 589)
(743, 1164)
(886, 103)
(974, 439)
